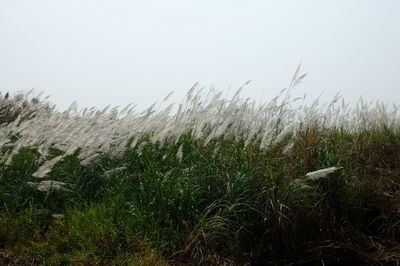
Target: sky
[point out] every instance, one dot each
(117, 52)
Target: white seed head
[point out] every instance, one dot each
(321, 173)
(47, 185)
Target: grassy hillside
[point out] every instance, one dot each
(216, 182)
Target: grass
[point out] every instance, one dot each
(234, 199)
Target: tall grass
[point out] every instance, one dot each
(215, 182)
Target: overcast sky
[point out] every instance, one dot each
(117, 52)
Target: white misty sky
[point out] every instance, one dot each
(117, 52)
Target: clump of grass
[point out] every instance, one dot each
(216, 182)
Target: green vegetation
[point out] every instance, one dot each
(227, 202)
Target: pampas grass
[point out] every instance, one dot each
(92, 131)
(215, 180)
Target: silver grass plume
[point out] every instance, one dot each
(47, 185)
(179, 154)
(47, 166)
(321, 173)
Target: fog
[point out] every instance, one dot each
(118, 52)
